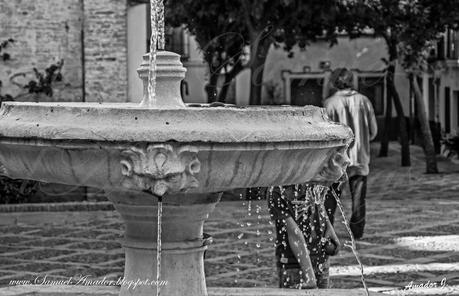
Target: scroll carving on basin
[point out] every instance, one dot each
(160, 168)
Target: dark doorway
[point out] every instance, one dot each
(447, 110)
(306, 91)
(373, 88)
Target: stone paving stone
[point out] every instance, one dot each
(411, 234)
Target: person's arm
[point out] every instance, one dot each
(299, 248)
(372, 121)
(331, 112)
(330, 233)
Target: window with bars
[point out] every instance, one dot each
(448, 45)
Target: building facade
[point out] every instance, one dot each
(89, 36)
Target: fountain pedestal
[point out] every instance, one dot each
(182, 248)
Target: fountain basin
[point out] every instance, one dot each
(199, 150)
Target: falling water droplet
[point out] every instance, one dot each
(240, 235)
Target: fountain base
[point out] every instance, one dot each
(183, 244)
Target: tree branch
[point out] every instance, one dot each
(246, 12)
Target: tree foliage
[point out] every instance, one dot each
(43, 81)
(223, 28)
(219, 33)
(5, 56)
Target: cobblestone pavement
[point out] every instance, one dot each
(412, 235)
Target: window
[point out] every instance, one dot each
(451, 44)
(305, 88)
(448, 45)
(306, 91)
(431, 99)
(177, 41)
(447, 110)
(373, 88)
(456, 96)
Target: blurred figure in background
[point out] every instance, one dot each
(353, 109)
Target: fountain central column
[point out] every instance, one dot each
(183, 244)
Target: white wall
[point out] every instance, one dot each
(363, 53)
(137, 45)
(243, 88)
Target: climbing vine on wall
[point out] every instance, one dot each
(5, 56)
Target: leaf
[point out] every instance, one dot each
(6, 56)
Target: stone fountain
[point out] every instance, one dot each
(187, 155)
(184, 156)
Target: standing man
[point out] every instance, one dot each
(353, 109)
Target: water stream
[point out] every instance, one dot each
(157, 40)
(151, 100)
(352, 246)
(158, 245)
(160, 24)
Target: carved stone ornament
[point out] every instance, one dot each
(335, 167)
(160, 168)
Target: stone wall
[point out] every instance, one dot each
(44, 31)
(105, 50)
(73, 30)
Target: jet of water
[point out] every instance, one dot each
(160, 24)
(157, 41)
(352, 245)
(158, 245)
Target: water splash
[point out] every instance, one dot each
(259, 222)
(352, 246)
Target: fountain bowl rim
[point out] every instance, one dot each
(128, 122)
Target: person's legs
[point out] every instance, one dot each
(323, 277)
(358, 187)
(289, 278)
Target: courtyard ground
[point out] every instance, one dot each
(412, 236)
